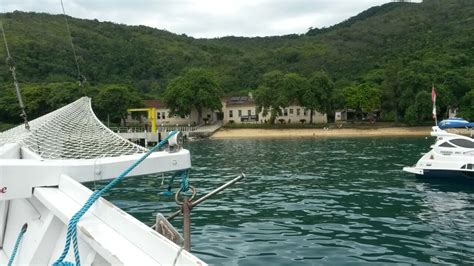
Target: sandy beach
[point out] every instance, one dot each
(317, 133)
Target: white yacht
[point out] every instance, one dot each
(451, 156)
(41, 170)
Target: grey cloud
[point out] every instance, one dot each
(208, 18)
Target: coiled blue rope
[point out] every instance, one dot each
(72, 225)
(17, 244)
(184, 182)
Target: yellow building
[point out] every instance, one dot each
(164, 118)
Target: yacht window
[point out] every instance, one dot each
(446, 144)
(469, 166)
(463, 143)
(463, 167)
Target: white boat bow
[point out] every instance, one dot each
(40, 174)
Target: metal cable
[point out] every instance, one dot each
(81, 78)
(11, 65)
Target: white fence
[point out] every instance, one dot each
(158, 129)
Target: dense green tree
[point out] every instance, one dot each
(411, 82)
(392, 89)
(338, 93)
(278, 91)
(445, 100)
(319, 95)
(197, 88)
(268, 96)
(292, 89)
(363, 97)
(9, 104)
(420, 110)
(467, 111)
(113, 100)
(39, 99)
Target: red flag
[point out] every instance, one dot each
(433, 99)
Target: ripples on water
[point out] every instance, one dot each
(316, 201)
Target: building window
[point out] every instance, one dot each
(240, 113)
(158, 115)
(291, 111)
(163, 115)
(285, 112)
(305, 112)
(249, 112)
(298, 111)
(230, 113)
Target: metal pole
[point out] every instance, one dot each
(186, 209)
(217, 190)
(210, 194)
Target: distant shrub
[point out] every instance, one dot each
(410, 116)
(388, 117)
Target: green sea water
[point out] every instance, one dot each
(315, 202)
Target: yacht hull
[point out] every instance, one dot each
(446, 174)
(451, 156)
(438, 173)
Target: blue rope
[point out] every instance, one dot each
(184, 182)
(168, 190)
(17, 244)
(72, 225)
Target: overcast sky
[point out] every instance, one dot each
(207, 18)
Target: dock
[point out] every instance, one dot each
(141, 136)
(204, 131)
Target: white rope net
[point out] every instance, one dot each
(71, 132)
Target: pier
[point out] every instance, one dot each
(141, 136)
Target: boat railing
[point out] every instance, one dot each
(159, 129)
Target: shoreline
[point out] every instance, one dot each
(253, 133)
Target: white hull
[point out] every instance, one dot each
(451, 156)
(40, 174)
(106, 234)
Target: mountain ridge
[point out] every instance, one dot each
(428, 42)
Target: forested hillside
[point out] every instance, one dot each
(396, 51)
